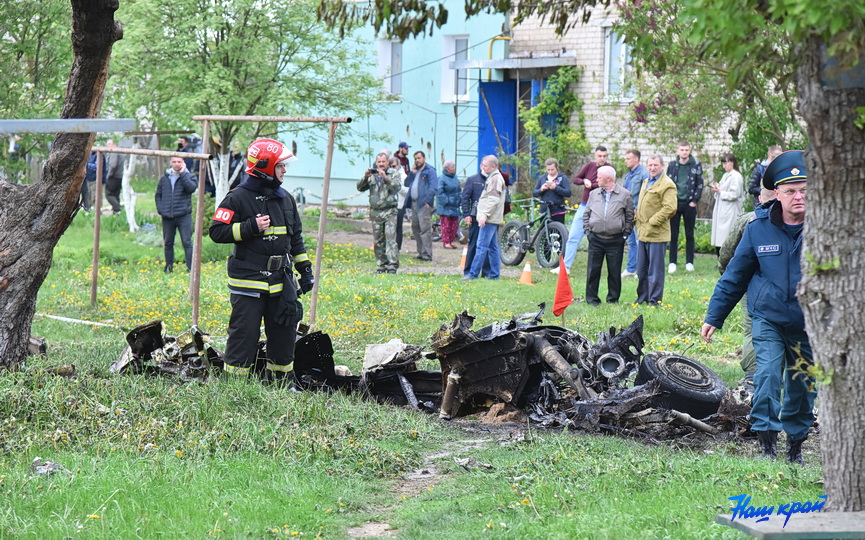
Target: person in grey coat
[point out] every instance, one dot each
(422, 184)
(174, 205)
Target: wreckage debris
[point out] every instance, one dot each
(554, 376)
(49, 468)
(188, 356)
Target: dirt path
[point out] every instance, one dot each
(428, 475)
(445, 261)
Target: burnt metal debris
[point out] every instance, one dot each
(552, 376)
(188, 356)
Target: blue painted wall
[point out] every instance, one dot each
(420, 118)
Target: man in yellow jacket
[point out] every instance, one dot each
(656, 206)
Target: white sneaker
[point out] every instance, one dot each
(672, 268)
(556, 270)
(627, 274)
(689, 267)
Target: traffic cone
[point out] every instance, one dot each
(526, 276)
(462, 265)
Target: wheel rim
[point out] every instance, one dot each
(685, 372)
(550, 246)
(511, 243)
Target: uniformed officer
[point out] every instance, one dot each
(261, 219)
(766, 263)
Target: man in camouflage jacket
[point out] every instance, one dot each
(383, 184)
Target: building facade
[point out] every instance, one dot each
(423, 102)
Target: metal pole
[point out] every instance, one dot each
(97, 208)
(195, 274)
(322, 223)
(234, 118)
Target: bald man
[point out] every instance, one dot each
(607, 222)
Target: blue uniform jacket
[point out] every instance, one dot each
(767, 263)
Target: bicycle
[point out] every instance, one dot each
(548, 241)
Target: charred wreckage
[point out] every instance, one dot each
(550, 375)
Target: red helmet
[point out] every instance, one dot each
(263, 155)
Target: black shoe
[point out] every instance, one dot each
(392, 271)
(768, 444)
(380, 271)
(794, 451)
(169, 268)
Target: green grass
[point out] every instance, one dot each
(151, 457)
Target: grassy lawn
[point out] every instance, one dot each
(152, 457)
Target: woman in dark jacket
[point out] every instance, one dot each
(552, 188)
(448, 204)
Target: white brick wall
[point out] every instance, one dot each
(606, 121)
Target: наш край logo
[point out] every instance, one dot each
(744, 510)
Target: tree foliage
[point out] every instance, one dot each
(35, 57)
(410, 18)
(550, 124)
(687, 88)
(239, 57)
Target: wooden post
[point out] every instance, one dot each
(97, 209)
(195, 274)
(98, 204)
(322, 223)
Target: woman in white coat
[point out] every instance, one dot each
(729, 196)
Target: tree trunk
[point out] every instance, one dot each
(33, 217)
(833, 273)
(127, 192)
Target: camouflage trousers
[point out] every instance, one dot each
(384, 238)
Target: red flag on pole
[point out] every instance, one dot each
(564, 294)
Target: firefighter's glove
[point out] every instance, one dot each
(286, 311)
(306, 280)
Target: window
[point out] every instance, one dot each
(616, 69)
(390, 66)
(454, 85)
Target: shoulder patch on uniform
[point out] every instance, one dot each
(770, 248)
(223, 214)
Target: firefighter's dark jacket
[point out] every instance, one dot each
(234, 223)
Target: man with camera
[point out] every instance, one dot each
(383, 184)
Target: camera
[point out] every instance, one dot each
(372, 170)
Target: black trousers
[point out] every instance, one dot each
(170, 226)
(400, 219)
(689, 214)
(613, 250)
(244, 332)
(112, 192)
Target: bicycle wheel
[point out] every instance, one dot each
(436, 230)
(551, 242)
(515, 236)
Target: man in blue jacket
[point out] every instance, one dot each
(634, 178)
(767, 265)
(422, 185)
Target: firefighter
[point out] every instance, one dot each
(262, 221)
